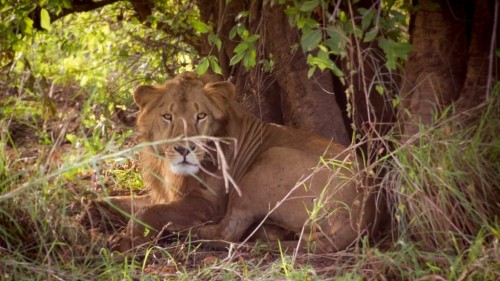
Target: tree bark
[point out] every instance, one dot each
(257, 91)
(479, 75)
(285, 95)
(435, 71)
(371, 113)
(307, 103)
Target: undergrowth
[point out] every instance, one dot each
(443, 192)
(444, 195)
(61, 145)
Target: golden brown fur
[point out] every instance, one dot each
(284, 175)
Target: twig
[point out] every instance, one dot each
(492, 50)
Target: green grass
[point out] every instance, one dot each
(442, 195)
(446, 188)
(442, 191)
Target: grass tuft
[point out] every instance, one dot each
(443, 196)
(444, 193)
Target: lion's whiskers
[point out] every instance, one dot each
(221, 161)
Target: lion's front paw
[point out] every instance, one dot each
(97, 214)
(92, 215)
(124, 242)
(208, 232)
(120, 242)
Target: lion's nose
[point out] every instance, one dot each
(183, 150)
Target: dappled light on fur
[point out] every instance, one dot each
(207, 160)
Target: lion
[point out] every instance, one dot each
(212, 167)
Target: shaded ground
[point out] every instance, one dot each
(41, 206)
(38, 141)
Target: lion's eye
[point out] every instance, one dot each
(201, 116)
(167, 117)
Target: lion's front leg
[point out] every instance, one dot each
(174, 217)
(230, 229)
(112, 212)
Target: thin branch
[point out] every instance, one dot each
(76, 7)
(492, 50)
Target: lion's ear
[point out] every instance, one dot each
(220, 93)
(224, 90)
(144, 94)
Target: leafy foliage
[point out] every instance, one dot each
(327, 33)
(105, 52)
(246, 49)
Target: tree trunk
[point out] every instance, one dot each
(479, 75)
(306, 103)
(372, 113)
(451, 62)
(435, 71)
(285, 95)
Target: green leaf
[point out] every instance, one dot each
(66, 4)
(84, 80)
(291, 11)
(351, 28)
(306, 24)
(242, 31)
(370, 35)
(232, 32)
(308, 6)
(71, 138)
(27, 26)
(236, 58)
(395, 103)
(367, 19)
(215, 40)
(311, 72)
(315, 61)
(322, 63)
(250, 59)
(252, 38)
(337, 42)
(337, 71)
(379, 89)
(394, 51)
(44, 19)
(202, 66)
(268, 64)
(200, 26)
(214, 65)
(243, 14)
(343, 16)
(241, 47)
(400, 17)
(239, 29)
(310, 40)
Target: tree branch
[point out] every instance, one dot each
(142, 8)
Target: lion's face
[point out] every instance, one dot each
(176, 114)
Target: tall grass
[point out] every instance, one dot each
(446, 189)
(41, 191)
(443, 195)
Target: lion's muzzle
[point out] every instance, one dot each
(182, 150)
(184, 161)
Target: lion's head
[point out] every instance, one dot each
(173, 113)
